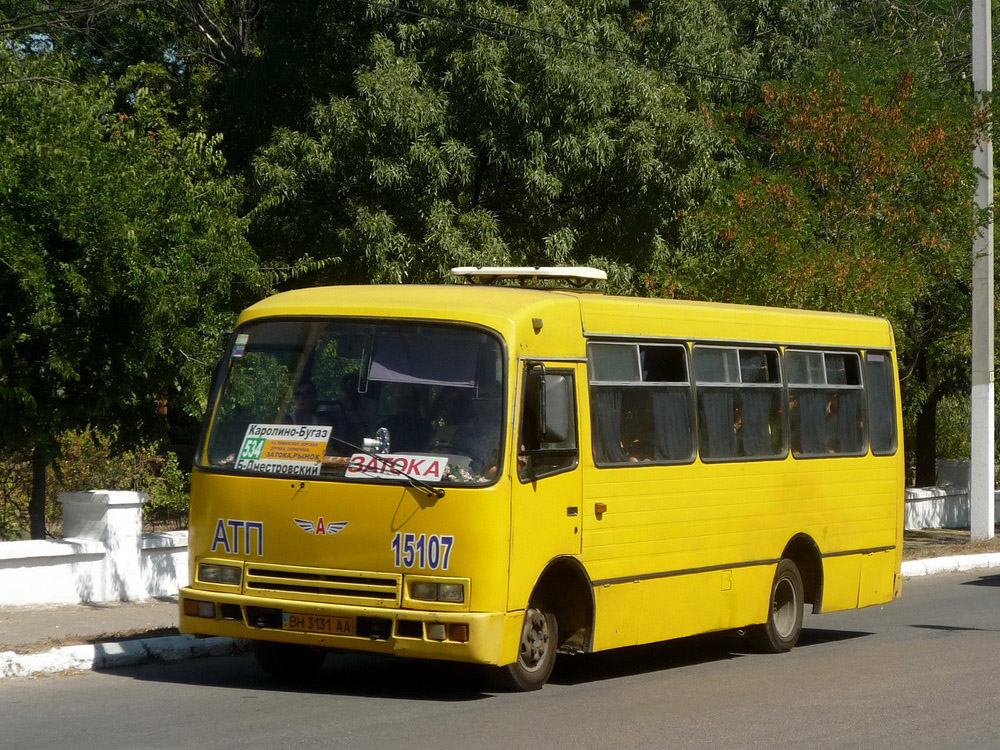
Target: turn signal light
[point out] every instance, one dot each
(197, 608)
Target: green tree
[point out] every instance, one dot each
(121, 252)
(561, 132)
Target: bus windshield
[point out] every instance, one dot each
(360, 401)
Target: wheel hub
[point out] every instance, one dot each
(534, 639)
(785, 607)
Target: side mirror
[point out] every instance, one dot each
(552, 396)
(557, 419)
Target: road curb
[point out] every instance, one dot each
(951, 564)
(116, 654)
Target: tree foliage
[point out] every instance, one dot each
(792, 152)
(856, 195)
(122, 253)
(574, 133)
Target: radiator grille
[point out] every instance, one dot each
(323, 585)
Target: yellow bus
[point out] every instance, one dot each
(491, 473)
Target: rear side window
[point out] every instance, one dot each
(739, 403)
(880, 386)
(825, 403)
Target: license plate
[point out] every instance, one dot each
(317, 624)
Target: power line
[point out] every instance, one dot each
(610, 53)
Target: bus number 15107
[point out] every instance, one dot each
(426, 551)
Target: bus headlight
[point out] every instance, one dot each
(424, 590)
(208, 573)
(453, 593)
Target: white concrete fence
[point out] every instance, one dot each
(102, 557)
(945, 506)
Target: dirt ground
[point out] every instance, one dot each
(941, 542)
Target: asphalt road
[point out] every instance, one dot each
(923, 672)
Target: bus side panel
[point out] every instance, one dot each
(841, 578)
(878, 573)
(663, 520)
(679, 606)
(614, 623)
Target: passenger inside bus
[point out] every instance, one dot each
(304, 402)
(468, 426)
(636, 433)
(354, 412)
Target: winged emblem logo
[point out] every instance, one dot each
(320, 527)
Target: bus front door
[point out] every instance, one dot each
(546, 496)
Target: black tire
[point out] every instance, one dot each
(536, 655)
(784, 612)
(288, 662)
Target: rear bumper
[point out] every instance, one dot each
(492, 636)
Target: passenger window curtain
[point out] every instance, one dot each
(672, 424)
(809, 424)
(717, 422)
(606, 418)
(756, 422)
(847, 415)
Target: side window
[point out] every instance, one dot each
(547, 441)
(640, 404)
(739, 403)
(880, 387)
(825, 407)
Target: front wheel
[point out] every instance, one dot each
(784, 612)
(536, 654)
(288, 662)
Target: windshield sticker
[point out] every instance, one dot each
(291, 449)
(229, 532)
(240, 347)
(321, 527)
(393, 465)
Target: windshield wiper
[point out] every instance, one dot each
(419, 484)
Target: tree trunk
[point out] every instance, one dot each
(925, 438)
(36, 507)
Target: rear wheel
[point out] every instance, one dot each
(784, 612)
(536, 654)
(288, 662)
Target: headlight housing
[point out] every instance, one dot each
(226, 574)
(428, 591)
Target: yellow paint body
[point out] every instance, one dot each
(680, 549)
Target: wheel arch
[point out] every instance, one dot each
(565, 589)
(804, 552)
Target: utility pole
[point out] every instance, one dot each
(981, 477)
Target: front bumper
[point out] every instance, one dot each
(492, 636)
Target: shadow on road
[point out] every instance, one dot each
(993, 580)
(954, 628)
(683, 652)
(342, 674)
(411, 679)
